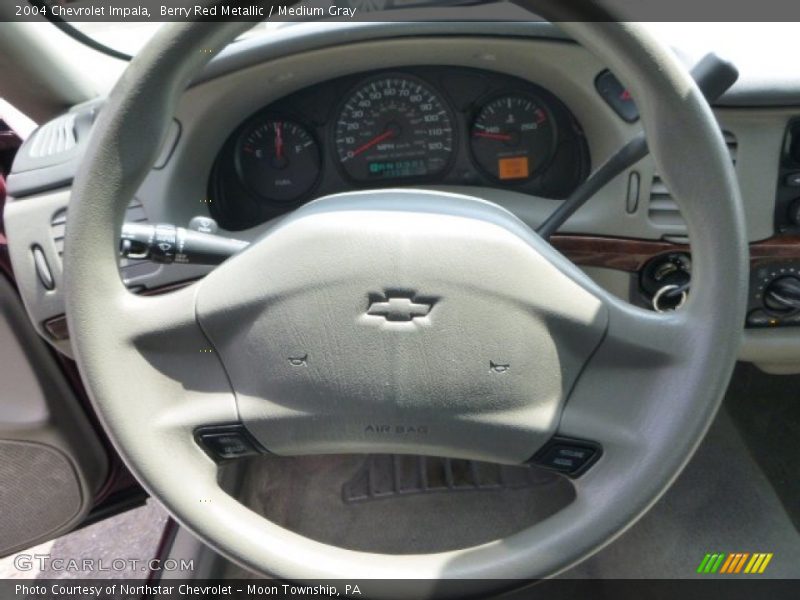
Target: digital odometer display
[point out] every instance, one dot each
(389, 169)
(393, 128)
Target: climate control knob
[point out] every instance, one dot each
(782, 295)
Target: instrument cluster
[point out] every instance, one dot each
(403, 127)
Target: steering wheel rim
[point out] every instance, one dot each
(130, 349)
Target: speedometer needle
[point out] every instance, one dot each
(376, 140)
(503, 137)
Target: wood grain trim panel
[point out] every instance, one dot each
(628, 254)
(778, 247)
(622, 254)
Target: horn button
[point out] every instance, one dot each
(404, 322)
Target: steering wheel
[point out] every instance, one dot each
(376, 321)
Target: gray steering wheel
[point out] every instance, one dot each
(392, 307)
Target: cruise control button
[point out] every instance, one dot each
(226, 442)
(567, 456)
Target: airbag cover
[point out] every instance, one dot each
(401, 321)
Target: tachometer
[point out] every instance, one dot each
(278, 159)
(392, 128)
(512, 137)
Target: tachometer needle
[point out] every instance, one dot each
(278, 140)
(503, 137)
(376, 140)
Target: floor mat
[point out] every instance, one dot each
(387, 475)
(304, 494)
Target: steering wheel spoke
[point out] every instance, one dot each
(645, 337)
(174, 379)
(164, 331)
(642, 375)
(156, 317)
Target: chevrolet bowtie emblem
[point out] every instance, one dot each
(399, 309)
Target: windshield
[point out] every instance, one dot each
(129, 37)
(129, 34)
(691, 38)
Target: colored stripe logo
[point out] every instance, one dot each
(735, 563)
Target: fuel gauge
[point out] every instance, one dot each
(278, 160)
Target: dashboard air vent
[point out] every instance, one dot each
(134, 213)
(55, 137)
(662, 208)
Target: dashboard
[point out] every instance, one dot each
(403, 126)
(511, 113)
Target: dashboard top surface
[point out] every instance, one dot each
(763, 52)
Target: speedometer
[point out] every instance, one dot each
(393, 127)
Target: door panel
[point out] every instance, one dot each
(51, 461)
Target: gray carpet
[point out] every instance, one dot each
(722, 502)
(766, 410)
